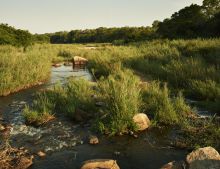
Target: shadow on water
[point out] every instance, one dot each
(65, 142)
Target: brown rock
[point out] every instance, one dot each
(142, 121)
(93, 140)
(41, 154)
(24, 163)
(77, 60)
(203, 158)
(101, 164)
(174, 165)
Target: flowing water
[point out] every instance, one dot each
(66, 144)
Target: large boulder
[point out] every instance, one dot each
(100, 163)
(142, 121)
(79, 60)
(203, 158)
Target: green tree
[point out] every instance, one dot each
(187, 23)
(24, 38)
(211, 7)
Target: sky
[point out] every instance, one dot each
(44, 16)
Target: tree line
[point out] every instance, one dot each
(15, 37)
(193, 21)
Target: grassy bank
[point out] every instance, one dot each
(192, 66)
(21, 69)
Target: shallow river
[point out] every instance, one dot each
(66, 144)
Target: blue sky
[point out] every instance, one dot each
(41, 16)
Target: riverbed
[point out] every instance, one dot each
(66, 142)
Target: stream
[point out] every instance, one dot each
(66, 142)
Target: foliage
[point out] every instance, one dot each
(121, 94)
(163, 108)
(14, 64)
(158, 104)
(41, 111)
(104, 35)
(74, 95)
(41, 38)
(205, 90)
(15, 37)
(80, 90)
(193, 21)
(202, 133)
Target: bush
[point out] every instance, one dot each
(158, 103)
(183, 110)
(19, 70)
(79, 93)
(180, 72)
(121, 94)
(163, 108)
(205, 90)
(67, 99)
(41, 110)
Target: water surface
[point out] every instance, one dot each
(66, 142)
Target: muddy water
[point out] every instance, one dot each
(66, 143)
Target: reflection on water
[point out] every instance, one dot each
(60, 74)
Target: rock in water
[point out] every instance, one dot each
(203, 158)
(174, 165)
(93, 140)
(41, 154)
(77, 60)
(142, 121)
(100, 163)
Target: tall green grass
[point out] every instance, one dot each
(68, 99)
(164, 109)
(19, 69)
(120, 92)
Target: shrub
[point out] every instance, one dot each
(19, 70)
(205, 90)
(41, 110)
(158, 104)
(75, 94)
(121, 94)
(183, 110)
(79, 93)
(180, 72)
